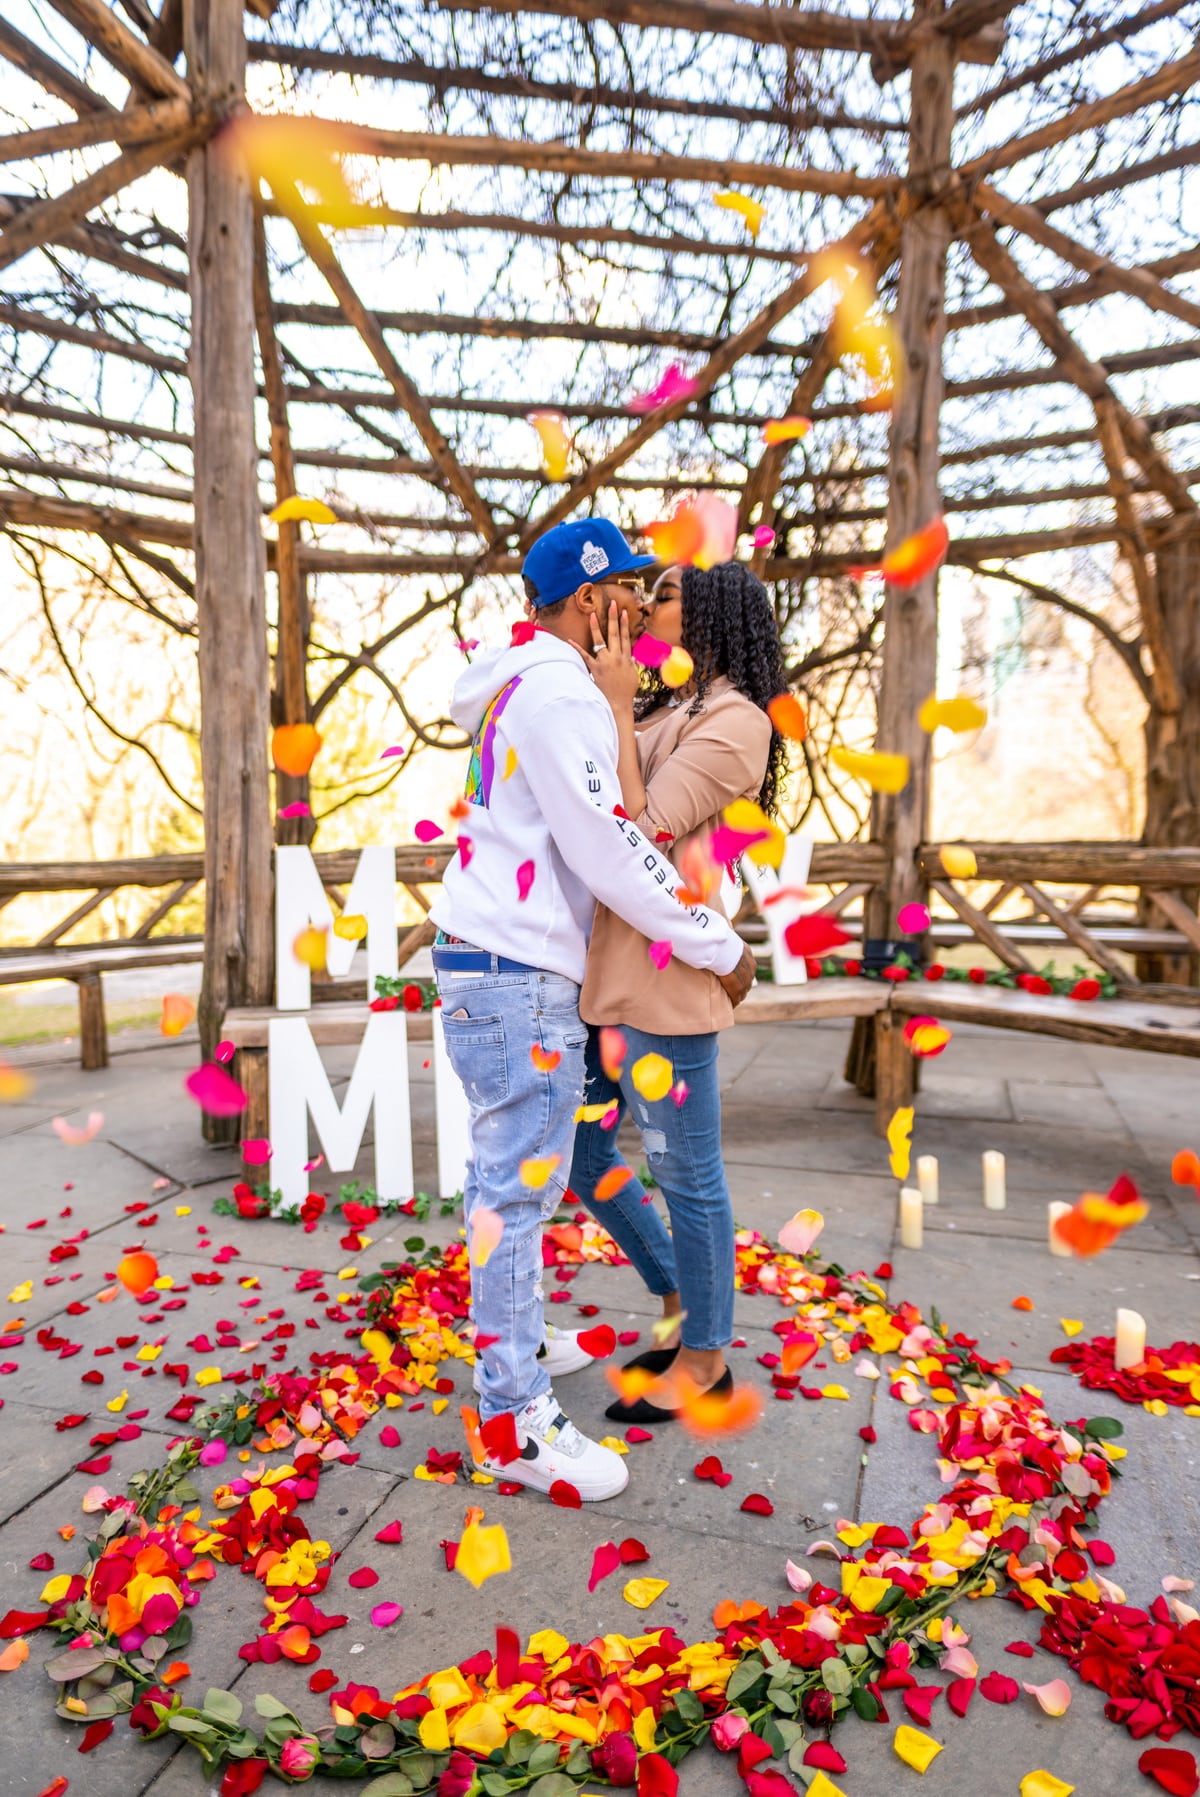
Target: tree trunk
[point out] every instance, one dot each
(1173, 741)
(900, 822)
(230, 559)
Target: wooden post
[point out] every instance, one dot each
(900, 823)
(1172, 737)
(230, 560)
(93, 1031)
(289, 697)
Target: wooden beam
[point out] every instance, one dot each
(641, 166)
(367, 325)
(1164, 683)
(1173, 78)
(1090, 377)
(230, 571)
(718, 364)
(34, 62)
(982, 927)
(761, 488)
(102, 244)
(1119, 32)
(1073, 293)
(292, 620)
(1117, 179)
(790, 28)
(1030, 222)
(39, 224)
(1076, 932)
(471, 79)
(137, 60)
(140, 124)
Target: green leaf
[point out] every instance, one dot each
(782, 1698)
(865, 1703)
(770, 1653)
(790, 1731)
(835, 1676)
(689, 1706)
(413, 1244)
(194, 1727)
(768, 1728)
(553, 1784)
(390, 1784)
(494, 1783)
(377, 1741)
(796, 1753)
(744, 1676)
(579, 1761)
(519, 1746)
(268, 1706)
(75, 1663)
(223, 1707)
(544, 1758)
(1104, 1428)
(887, 1603)
(855, 1652)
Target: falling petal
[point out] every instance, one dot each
(297, 809)
(752, 212)
(881, 772)
(536, 1172)
(544, 1059)
(899, 1131)
(958, 714)
(700, 531)
(671, 389)
(215, 1091)
(678, 668)
(294, 748)
(482, 1553)
(295, 510)
(525, 876)
(311, 947)
(911, 920)
(510, 764)
(764, 536)
(486, 1228)
(389, 753)
(610, 1183)
(72, 1137)
(788, 716)
(785, 430)
(177, 1013)
(137, 1273)
(660, 953)
(256, 1151)
(556, 443)
(814, 935)
(613, 1049)
(427, 831)
(653, 1077)
(958, 861)
(350, 928)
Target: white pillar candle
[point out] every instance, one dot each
(994, 1197)
(927, 1177)
(912, 1217)
(1056, 1209)
(1131, 1340)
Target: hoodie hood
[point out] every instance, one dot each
(483, 678)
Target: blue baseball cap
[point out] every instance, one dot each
(571, 554)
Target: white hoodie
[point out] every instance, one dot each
(544, 794)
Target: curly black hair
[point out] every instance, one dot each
(729, 629)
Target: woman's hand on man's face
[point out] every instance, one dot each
(614, 670)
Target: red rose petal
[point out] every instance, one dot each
(919, 1700)
(627, 1337)
(757, 1504)
(1174, 1768)
(598, 1342)
(565, 1495)
(635, 1435)
(499, 1437)
(1024, 1648)
(632, 1551)
(710, 1468)
(389, 1437)
(997, 1687)
(605, 1562)
(825, 1757)
(95, 1732)
(959, 1694)
(363, 1577)
(324, 1680)
(392, 1533)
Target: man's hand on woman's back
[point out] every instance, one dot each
(739, 982)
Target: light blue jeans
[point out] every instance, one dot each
(683, 1150)
(492, 1021)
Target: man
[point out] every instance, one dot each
(545, 838)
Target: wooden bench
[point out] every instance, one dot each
(84, 967)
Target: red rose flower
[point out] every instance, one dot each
(1085, 989)
(896, 974)
(818, 1707)
(977, 976)
(616, 1759)
(414, 998)
(935, 971)
(852, 967)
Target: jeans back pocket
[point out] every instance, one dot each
(475, 1049)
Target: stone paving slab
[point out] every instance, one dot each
(1098, 1111)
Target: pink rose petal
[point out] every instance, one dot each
(215, 1091)
(660, 953)
(384, 1615)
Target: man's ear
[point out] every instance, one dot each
(587, 597)
(531, 610)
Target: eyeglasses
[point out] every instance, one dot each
(634, 582)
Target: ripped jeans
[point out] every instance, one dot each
(683, 1151)
(518, 1113)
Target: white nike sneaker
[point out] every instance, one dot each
(561, 1353)
(552, 1448)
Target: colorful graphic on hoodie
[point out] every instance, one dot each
(481, 771)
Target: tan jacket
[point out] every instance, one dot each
(692, 768)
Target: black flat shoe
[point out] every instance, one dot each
(654, 1360)
(642, 1411)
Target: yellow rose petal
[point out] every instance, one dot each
(822, 1786)
(615, 1443)
(643, 1729)
(21, 1294)
(348, 1273)
(434, 1731)
(1070, 1325)
(209, 1375)
(958, 861)
(118, 1403)
(183, 1210)
(350, 929)
(150, 1351)
(835, 1391)
(482, 1553)
(916, 1749)
(536, 1172)
(1044, 1784)
(641, 1593)
(652, 1076)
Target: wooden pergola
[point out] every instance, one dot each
(903, 207)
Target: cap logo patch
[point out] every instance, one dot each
(593, 558)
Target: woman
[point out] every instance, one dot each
(684, 756)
